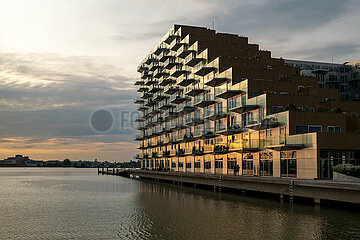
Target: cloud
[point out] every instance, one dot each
(54, 75)
(47, 96)
(336, 50)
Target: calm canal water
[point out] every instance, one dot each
(43, 203)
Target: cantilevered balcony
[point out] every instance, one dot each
(230, 130)
(188, 109)
(243, 108)
(166, 153)
(139, 82)
(221, 149)
(159, 96)
(139, 100)
(180, 125)
(180, 152)
(204, 70)
(145, 74)
(193, 121)
(184, 81)
(191, 60)
(250, 145)
(164, 81)
(208, 133)
(213, 82)
(146, 95)
(142, 89)
(166, 105)
(171, 89)
(170, 63)
(138, 137)
(163, 56)
(151, 59)
(185, 108)
(141, 146)
(289, 142)
(158, 73)
(204, 100)
(178, 98)
(264, 124)
(139, 119)
(159, 120)
(173, 140)
(166, 129)
(198, 151)
(160, 49)
(178, 71)
(142, 68)
(189, 137)
(155, 89)
(198, 132)
(154, 65)
(194, 90)
(170, 115)
(150, 81)
(225, 93)
(156, 110)
(183, 51)
(214, 113)
(171, 37)
(150, 103)
(176, 44)
(142, 108)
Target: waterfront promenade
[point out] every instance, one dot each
(285, 187)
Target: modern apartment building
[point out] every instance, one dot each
(344, 77)
(214, 103)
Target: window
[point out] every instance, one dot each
(315, 128)
(301, 129)
(207, 165)
(218, 163)
(334, 129)
(288, 166)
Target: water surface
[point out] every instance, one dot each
(56, 203)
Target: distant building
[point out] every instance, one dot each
(344, 77)
(17, 160)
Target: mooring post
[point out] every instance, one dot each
(102, 171)
(107, 171)
(317, 201)
(98, 170)
(281, 197)
(113, 171)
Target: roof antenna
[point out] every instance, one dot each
(213, 22)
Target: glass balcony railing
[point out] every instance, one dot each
(208, 148)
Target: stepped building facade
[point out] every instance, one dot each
(213, 103)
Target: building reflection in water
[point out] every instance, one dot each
(174, 212)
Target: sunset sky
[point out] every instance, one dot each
(61, 60)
